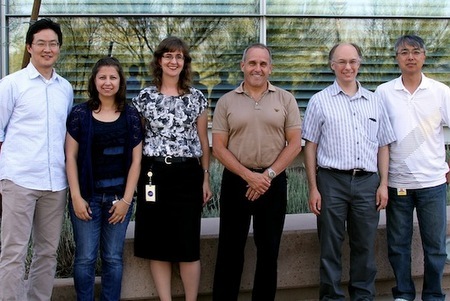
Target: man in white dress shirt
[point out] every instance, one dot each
(34, 104)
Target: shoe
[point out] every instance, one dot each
(400, 299)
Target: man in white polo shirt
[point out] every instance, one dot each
(417, 107)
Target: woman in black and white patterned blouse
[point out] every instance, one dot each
(174, 183)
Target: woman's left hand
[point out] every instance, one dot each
(118, 212)
(207, 193)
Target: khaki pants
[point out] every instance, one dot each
(35, 213)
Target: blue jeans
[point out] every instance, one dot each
(89, 236)
(430, 205)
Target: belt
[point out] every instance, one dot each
(260, 170)
(169, 159)
(356, 172)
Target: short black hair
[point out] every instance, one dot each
(42, 24)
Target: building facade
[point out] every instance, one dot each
(300, 33)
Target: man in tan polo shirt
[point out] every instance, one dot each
(256, 135)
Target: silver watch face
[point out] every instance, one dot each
(272, 174)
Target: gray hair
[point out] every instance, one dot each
(257, 45)
(410, 40)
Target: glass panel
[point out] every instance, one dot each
(216, 45)
(300, 48)
(429, 8)
(122, 7)
(301, 45)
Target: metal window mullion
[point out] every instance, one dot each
(3, 38)
(263, 21)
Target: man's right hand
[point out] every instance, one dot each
(258, 184)
(315, 201)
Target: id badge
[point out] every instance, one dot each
(150, 190)
(150, 193)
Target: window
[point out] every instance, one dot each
(300, 33)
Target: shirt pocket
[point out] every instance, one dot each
(372, 125)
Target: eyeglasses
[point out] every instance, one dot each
(41, 44)
(406, 53)
(169, 57)
(352, 63)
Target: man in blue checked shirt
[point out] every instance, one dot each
(347, 133)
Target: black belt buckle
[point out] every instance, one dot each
(356, 172)
(168, 160)
(360, 172)
(258, 170)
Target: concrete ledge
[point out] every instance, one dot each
(298, 264)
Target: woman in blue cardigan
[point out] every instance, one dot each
(103, 157)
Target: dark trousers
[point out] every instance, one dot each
(268, 220)
(348, 203)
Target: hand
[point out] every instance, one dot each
(207, 193)
(118, 212)
(251, 194)
(81, 209)
(315, 201)
(382, 197)
(259, 182)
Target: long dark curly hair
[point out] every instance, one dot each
(120, 98)
(172, 44)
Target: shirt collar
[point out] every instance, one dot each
(424, 84)
(34, 73)
(360, 93)
(240, 88)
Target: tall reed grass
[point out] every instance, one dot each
(297, 191)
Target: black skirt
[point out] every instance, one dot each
(169, 228)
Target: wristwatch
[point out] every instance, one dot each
(272, 173)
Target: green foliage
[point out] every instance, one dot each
(297, 191)
(66, 249)
(212, 209)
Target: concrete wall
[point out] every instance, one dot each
(298, 264)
